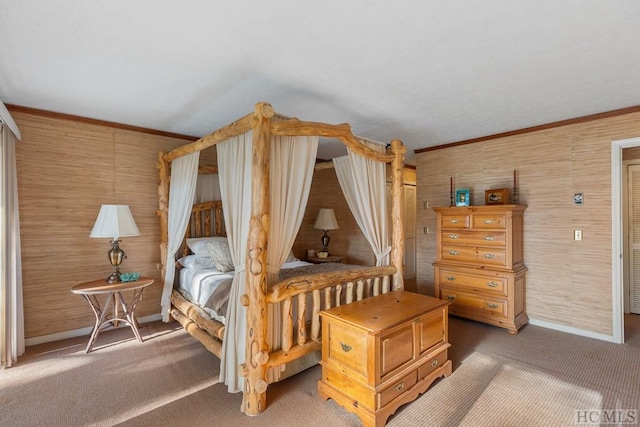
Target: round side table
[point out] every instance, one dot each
(113, 291)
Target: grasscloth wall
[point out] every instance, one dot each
(66, 170)
(568, 282)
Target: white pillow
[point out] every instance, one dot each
(220, 254)
(195, 262)
(197, 244)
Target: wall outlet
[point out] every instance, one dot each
(425, 205)
(577, 234)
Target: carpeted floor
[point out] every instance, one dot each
(536, 378)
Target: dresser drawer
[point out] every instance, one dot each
(455, 221)
(432, 364)
(488, 305)
(480, 255)
(487, 238)
(397, 388)
(489, 220)
(493, 284)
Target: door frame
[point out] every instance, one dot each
(617, 241)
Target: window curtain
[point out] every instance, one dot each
(234, 171)
(11, 307)
(364, 187)
(292, 162)
(182, 187)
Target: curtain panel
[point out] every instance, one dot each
(182, 188)
(11, 305)
(363, 183)
(234, 172)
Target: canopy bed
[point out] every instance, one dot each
(268, 320)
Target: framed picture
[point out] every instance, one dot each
(462, 197)
(497, 196)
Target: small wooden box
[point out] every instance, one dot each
(497, 196)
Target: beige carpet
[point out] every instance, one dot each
(537, 378)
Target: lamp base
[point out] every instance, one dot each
(114, 277)
(325, 242)
(116, 255)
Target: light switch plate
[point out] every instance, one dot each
(577, 234)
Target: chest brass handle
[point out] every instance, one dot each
(454, 221)
(492, 284)
(491, 305)
(488, 221)
(451, 297)
(489, 256)
(345, 347)
(489, 238)
(434, 363)
(453, 253)
(400, 386)
(453, 236)
(451, 277)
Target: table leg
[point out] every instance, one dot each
(115, 315)
(129, 312)
(100, 315)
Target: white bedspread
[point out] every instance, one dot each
(209, 288)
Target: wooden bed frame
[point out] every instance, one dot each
(327, 289)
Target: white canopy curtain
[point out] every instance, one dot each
(234, 171)
(364, 186)
(182, 187)
(291, 165)
(11, 307)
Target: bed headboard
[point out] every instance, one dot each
(206, 220)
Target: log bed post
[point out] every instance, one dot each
(163, 209)
(257, 350)
(397, 213)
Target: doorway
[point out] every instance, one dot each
(631, 234)
(618, 249)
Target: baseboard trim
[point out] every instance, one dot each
(571, 330)
(81, 332)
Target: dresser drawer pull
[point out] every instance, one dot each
(489, 238)
(489, 256)
(451, 278)
(488, 221)
(345, 347)
(400, 386)
(492, 305)
(453, 253)
(451, 297)
(434, 363)
(453, 236)
(454, 221)
(492, 284)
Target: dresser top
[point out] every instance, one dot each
(384, 311)
(480, 208)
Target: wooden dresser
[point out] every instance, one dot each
(479, 264)
(382, 352)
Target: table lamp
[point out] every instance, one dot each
(115, 221)
(326, 221)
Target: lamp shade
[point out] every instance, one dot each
(326, 220)
(114, 221)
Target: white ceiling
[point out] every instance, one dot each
(428, 72)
